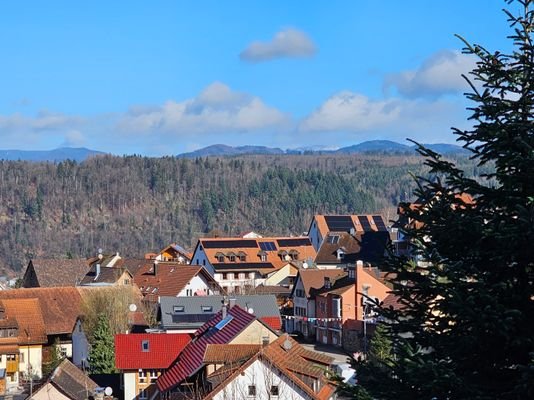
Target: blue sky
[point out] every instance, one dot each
(163, 77)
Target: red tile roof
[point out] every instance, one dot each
(190, 360)
(170, 278)
(163, 348)
(29, 317)
(274, 323)
(60, 306)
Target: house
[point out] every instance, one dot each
(229, 326)
(60, 308)
(22, 337)
(344, 306)
(141, 358)
(99, 275)
(304, 301)
(43, 272)
(322, 225)
(174, 252)
(80, 346)
(340, 249)
(282, 369)
(285, 276)
(157, 278)
(188, 314)
(239, 264)
(67, 382)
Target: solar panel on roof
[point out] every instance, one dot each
(339, 223)
(365, 223)
(223, 322)
(294, 242)
(267, 246)
(229, 244)
(379, 222)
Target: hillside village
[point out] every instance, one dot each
(236, 317)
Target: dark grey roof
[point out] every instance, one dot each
(107, 276)
(72, 381)
(196, 309)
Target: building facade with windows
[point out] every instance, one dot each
(239, 264)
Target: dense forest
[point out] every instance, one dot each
(135, 204)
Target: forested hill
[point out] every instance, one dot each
(136, 204)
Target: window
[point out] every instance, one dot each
(241, 275)
(252, 390)
(265, 340)
(177, 309)
(11, 357)
(204, 262)
(274, 390)
(145, 346)
(243, 257)
(142, 376)
(189, 292)
(62, 352)
(224, 276)
(126, 281)
(207, 309)
(143, 395)
(251, 275)
(232, 258)
(153, 376)
(263, 257)
(230, 276)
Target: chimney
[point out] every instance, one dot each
(327, 282)
(224, 307)
(359, 264)
(232, 302)
(97, 271)
(155, 267)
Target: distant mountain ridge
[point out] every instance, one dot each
(77, 154)
(370, 146)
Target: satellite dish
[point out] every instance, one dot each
(108, 391)
(305, 265)
(133, 308)
(251, 310)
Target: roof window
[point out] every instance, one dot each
(145, 345)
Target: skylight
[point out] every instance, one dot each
(225, 321)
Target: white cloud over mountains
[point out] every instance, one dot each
(439, 74)
(287, 43)
(217, 109)
(220, 114)
(359, 115)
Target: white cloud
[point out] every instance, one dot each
(217, 109)
(74, 138)
(359, 115)
(43, 121)
(288, 43)
(439, 74)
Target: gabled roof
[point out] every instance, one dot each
(170, 278)
(29, 317)
(60, 306)
(346, 222)
(253, 247)
(71, 381)
(52, 272)
(190, 360)
(314, 278)
(338, 285)
(302, 367)
(365, 246)
(195, 310)
(229, 353)
(162, 350)
(107, 276)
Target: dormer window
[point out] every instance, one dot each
(178, 309)
(294, 254)
(145, 346)
(242, 256)
(340, 253)
(231, 256)
(263, 255)
(220, 257)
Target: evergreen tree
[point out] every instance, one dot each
(102, 354)
(466, 327)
